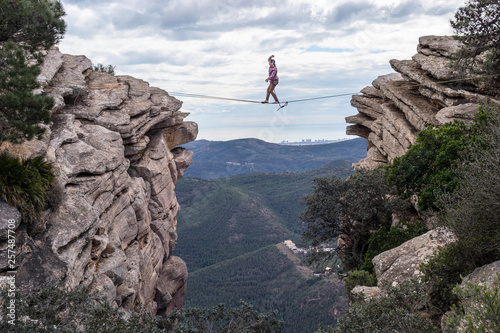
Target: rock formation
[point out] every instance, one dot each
(403, 262)
(397, 106)
(391, 112)
(113, 144)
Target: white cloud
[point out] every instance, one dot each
(220, 48)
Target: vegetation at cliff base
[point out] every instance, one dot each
(395, 312)
(27, 28)
(56, 310)
(350, 209)
(471, 211)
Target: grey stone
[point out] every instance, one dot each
(110, 145)
(398, 105)
(366, 292)
(484, 275)
(403, 262)
(10, 218)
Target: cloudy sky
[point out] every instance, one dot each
(220, 48)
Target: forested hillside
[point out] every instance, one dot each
(227, 233)
(269, 280)
(225, 218)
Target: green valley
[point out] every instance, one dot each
(270, 280)
(230, 234)
(225, 218)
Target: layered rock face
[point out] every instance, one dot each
(391, 112)
(114, 148)
(397, 106)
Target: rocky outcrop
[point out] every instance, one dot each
(403, 262)
(485, 276)
(397, 106)
(114, 146)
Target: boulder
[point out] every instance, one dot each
(485, 275)
(173, 277)
(366, 293)
(402, 263)
(463, 112)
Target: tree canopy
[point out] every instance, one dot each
(351, 209)
(27, 27)
(477, 26)
(33, 25)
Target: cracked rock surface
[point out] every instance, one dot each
(114, 144)
(397, 106)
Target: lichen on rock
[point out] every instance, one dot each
(114, 144)
(397, 106)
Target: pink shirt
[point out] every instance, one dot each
(273, 73)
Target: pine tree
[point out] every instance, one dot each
(26, 28)
(477, 26)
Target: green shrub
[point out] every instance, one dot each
(359, 278)
(24, 184)
(350, 208)
(55, 310)
(110, 69)
(429, 167)
(478, 310)
(395, 312)
(444, 270)
(426, 166)
(26, 28)
(471, 211)
(386, 239)
(21, 110)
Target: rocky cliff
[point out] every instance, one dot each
(113, 144)
(397, 106)
(391, 112)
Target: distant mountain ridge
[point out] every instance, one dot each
(220, 159)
